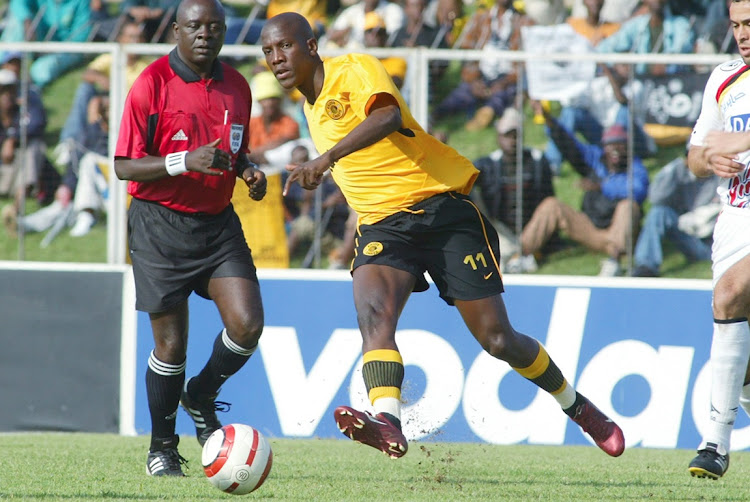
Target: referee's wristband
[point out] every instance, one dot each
(175, 163)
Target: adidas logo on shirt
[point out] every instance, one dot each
(180, 136)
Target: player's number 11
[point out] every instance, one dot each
(471, 260)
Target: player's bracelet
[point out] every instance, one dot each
(175, 163)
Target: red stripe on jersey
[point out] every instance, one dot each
(729, 81)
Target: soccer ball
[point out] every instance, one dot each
(237, 459)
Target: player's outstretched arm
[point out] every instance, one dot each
(207, 159)
(384, 119)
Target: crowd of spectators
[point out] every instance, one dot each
(588, 132)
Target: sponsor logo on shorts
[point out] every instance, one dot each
(372, 249)
(335, 109)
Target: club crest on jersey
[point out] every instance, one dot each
(372, 249)
(235, 137)
(335, 109)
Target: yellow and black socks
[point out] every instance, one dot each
(383, 373)
(544, 373)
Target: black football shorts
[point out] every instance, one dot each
(175, 253)
(446, 236)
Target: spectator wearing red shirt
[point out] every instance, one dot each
(182, 143)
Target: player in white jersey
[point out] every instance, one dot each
(720, 145)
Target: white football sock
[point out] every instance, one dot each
(567, 397)
(388, 405)
(730, 349)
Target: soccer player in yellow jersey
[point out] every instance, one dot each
(410, 192)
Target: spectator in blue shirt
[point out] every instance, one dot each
(657, 31)
(608, 214)
(52, 20)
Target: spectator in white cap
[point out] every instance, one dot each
(497, 189)
(8, 78)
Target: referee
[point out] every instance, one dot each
(182, 144)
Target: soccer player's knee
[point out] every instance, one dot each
(729, 299)
(171, 350)
(496, 345)
(247, 332)
(372, 315)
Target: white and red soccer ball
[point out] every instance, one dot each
(237, 459)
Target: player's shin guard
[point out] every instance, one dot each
(730, 349)
(383, 373)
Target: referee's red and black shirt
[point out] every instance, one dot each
(169, 109)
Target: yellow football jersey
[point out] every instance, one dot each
(395, 173)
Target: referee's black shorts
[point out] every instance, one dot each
(446, 236)
(175, 253)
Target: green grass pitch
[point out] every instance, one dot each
(82, 467)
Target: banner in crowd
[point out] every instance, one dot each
(673, 103)
(674, 100)
(638, 348)
(263, 223)
(556, 80)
